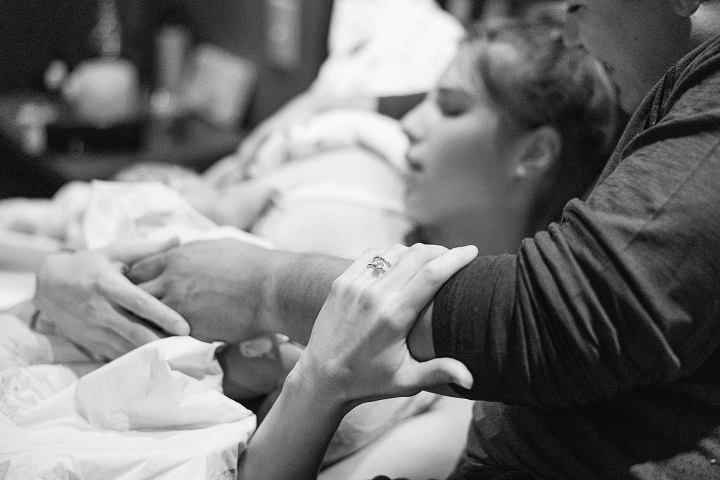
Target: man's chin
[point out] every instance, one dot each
(629, 99)
(629, 94)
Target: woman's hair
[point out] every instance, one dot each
(551, 84)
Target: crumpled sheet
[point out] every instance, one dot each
(338, 179)
(158, 412)
(147, 212)
(331, 130)
(387, 47)
(154, 413)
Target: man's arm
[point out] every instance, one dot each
(298, 285)
(230, 290)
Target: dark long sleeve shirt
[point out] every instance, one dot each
(606, 327)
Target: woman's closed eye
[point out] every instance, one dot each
(452, 103)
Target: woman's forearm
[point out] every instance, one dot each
(291, 441)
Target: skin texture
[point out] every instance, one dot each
(227, 289)
(357, 352)
(637, 39)
(120, 312)
(461, 161)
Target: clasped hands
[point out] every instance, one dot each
(112, 300)
(358, 348)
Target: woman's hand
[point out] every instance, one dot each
(358, 350)
(86, 298)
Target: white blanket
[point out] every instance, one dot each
(154, 413)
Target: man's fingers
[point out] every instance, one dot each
(131, 253)
(439, 371)
(137, 301)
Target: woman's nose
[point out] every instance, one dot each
(412, 123)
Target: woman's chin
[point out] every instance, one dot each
(416, 215)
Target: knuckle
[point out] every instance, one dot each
(102, 282)
(393, 315)
(420, 248)
(398, 248)
(340, 285)
(437, 377)
(433, 272)
(387, 314)
(368, 298)
(430, 251)
(372, 252)
(421, 251)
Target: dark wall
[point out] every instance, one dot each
(240, 26)
(34, 32)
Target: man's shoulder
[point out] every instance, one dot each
(699, 67)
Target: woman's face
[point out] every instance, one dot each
(459, 146)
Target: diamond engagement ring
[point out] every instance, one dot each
(379, 264)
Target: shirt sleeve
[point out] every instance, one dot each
(622, 292)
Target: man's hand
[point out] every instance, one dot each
(85, 298)
(217, 286)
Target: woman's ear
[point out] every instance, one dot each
(538, 152)
(685, 8)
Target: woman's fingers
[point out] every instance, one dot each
(155, 287)
(438, 371)
(121, 291)
(423, 286)
(360, 265)
(406, 266)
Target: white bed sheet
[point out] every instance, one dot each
(154, 413)
(15, 287)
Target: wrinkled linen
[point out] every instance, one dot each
(387, 47)
(146, 212)
(156, 413)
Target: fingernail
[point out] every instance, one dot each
(466, 382)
